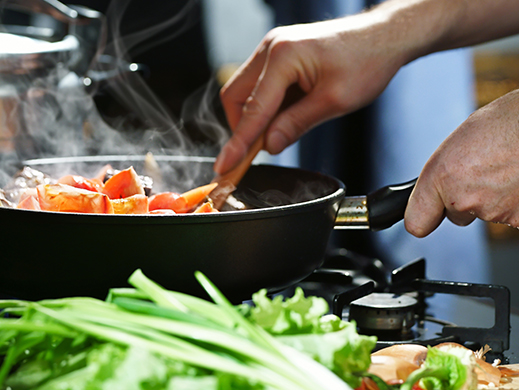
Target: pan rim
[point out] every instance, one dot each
(224, 216)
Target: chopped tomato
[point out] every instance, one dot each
(82, 182)
(135, 204)
(196, 196)
(28, 192)
(181, 203)
(166, 200)
(65, 198)
(29, 203)
(206, 207)
(123, 184)
(367, 384)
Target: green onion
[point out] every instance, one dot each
(59, 337)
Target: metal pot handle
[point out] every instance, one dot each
(379, 210)
(87, 25)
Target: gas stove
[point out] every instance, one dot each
(403, 306)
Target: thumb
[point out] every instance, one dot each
(425, 210)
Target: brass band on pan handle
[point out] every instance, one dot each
(378, 210)
(353, 213)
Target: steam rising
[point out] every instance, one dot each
(52, 112)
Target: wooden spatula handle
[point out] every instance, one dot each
(227, 182)
(235, 175)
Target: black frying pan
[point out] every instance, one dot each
(279, 241)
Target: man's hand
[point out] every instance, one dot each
(474, 173)
(338, 65)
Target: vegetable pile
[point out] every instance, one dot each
(150, 338)
(108, 192)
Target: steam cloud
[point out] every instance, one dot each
(54, 114)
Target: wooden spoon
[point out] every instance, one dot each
(228, 182)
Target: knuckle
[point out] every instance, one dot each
(273, 34)
(253, 107)
(493, 216)
(228, 96)
(460, 218)
(224, 92)
(256, 112)
(225, 96)
(281, 49)
(335, 99)
(502, 218)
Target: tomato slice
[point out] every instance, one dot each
(206, 207)
(195, 196)
(135, 204)
(166, 200)
(182, 203)
(65, 198)
(123, 184)
(29, 203)
(82, 182)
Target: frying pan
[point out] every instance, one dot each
(279, 241)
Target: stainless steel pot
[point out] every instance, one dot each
(41, 67)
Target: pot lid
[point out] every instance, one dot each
(23, 55)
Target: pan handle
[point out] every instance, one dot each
(378, 210)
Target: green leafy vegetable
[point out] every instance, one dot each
(295, 315)
(445, 368)
(301, 323)
(151, 338)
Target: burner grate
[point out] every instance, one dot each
(411, 279)
(360, 280)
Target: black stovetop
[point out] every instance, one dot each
(470, 314)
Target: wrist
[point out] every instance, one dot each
(415, 28)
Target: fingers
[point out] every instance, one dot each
(239, 87)
(424, 212)
(426, 209)
(254, 114)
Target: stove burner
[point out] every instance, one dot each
(386, 315)
(393, 305)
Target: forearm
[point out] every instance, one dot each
(343, 64)
(426, 26)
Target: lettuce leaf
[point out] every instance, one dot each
(295, 315)
(344, 352)
(445, 368)
(302, 324)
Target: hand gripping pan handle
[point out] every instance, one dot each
(376, 211)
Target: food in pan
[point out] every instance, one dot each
(108, 192)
